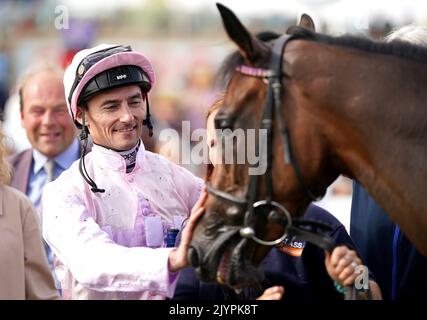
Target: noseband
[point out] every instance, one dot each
(277, 213)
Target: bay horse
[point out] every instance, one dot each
(334, 105)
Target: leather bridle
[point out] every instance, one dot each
(305, 230)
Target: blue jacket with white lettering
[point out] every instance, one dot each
(298, 266)
(399, 269)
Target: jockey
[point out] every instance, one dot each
(107, 216)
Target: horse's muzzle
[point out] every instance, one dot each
(224, 260)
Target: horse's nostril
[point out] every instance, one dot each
(193, 257)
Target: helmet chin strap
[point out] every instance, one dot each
(82, 167)
(147, 121)
(84, 134)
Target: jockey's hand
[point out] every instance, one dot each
(178, 256)
(273, 293)
(341, 265)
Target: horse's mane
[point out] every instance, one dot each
(401, 49)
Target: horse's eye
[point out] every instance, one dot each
(223, 122)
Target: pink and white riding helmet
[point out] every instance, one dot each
(104, 67)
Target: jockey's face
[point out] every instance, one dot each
(114, 117)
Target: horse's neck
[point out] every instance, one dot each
(371, 110)
(390, 163)
(385, 123)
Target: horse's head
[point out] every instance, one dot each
(238, 230)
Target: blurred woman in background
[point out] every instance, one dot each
(25, 272)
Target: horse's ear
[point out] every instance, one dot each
(306, 22)
(250, 47)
